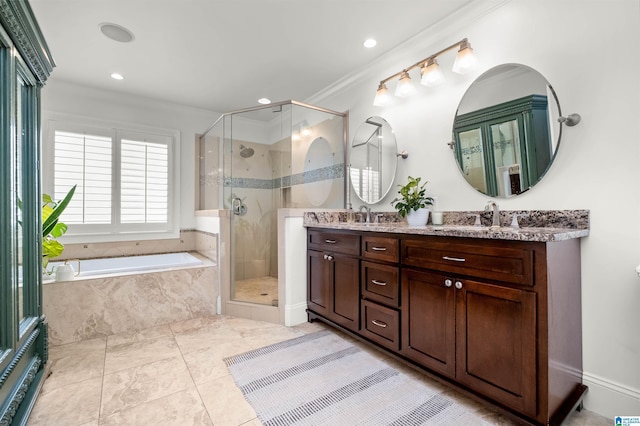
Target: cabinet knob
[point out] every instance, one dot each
(458, 285)
(448, 283)
(328, 257)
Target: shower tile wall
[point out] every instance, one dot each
(252, 176)
(271, 168)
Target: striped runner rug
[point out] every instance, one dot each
(323, 379)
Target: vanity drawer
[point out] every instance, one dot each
(381, 283)
(333, 241)
(381, 324)
(496, 260)
(381, 248)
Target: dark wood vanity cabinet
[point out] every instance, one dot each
(333, 270)
(500, 319)
(481, 331)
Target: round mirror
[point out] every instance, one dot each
(506, 132)
(373, 160)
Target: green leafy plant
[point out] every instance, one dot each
(52, 228)
(412, 197)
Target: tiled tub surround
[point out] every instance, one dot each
(535, 225)
(99, 306)
(91, 307)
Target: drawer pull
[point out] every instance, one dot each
(330, 241)
(455, 259)
(376, 282)
(379, 248)
(379, 323)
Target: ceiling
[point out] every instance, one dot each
(223, 55)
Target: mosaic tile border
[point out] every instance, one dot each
(325, 173)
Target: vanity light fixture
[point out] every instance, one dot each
(405, 86)
(430, 71)
(383, 97)
(465, 59)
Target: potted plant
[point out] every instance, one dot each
(413, 203)
(52, 228)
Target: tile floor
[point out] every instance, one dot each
(263, 290)
(174, 375)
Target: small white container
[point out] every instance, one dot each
(436, 218)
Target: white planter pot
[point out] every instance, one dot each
(418, 217)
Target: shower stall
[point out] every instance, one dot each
(255, 161)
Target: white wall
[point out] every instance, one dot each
(65, 98)
(586, 49)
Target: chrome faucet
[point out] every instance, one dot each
(367, 211)
(495, 223)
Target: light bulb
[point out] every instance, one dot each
(431, 73)
(465, 59)
(405, 86)
(383, 97)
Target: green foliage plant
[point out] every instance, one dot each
(412, 197)
(52, 228)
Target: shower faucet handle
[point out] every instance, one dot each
(238, 207)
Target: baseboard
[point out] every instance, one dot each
(295, 314)
(609, 398)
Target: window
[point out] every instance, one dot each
(124, 180)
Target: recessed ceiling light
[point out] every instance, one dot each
(117, 76)
(264, 101)
(369, 43)
(116, 32)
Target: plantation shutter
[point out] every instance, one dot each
(144, 193)
(85, 160)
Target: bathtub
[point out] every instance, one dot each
(129, 294)
(119, 265)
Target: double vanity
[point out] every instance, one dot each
(494, 311)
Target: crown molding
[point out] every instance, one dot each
(18, 20)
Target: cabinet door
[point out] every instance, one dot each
(346, 291)
(428, 320)
(496, 343)
(319, 278)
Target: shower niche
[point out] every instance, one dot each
(256, 161)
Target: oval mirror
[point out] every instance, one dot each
(506, 132)
(373, 160)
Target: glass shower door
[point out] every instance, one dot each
(286, 155)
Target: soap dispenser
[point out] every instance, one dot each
(351, 215)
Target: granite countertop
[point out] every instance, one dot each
(538, 225)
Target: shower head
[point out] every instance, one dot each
(245, 152)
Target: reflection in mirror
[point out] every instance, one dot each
(505, 132)
(319, 158)
(373, 160)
